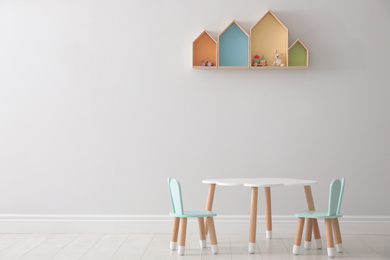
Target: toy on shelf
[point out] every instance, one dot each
(263, 61)
(207, 63)
(256, 60)
(278, 60)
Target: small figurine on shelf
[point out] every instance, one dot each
(204, 63)
(278, 60)
(263, 61)
(256, 60)
(209, 63)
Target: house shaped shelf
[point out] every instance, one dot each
(233, 46)
(267, 35)
(298, 55)
(204, 49)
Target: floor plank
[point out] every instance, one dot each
(274, 248)
(78, 247)
(49, 247)
(23, 246)
(105, 247)
(239, 248)
(380, 244)
(133, 247)
(158, 248)
(7, 240)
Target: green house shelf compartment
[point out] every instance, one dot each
(235, 48)
(298, 55)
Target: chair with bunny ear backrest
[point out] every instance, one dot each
(331, 217)
(180, 216)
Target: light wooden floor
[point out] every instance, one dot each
(156, 246)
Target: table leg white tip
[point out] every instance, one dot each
(339, 248)
(181, 250)
(307, 244)
(318, 243)
(214, 249)
(268, 234)
(331, 252)
(251, 248)
(202, 243)
(173, 245)
(296, 249)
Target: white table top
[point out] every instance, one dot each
(259, 182)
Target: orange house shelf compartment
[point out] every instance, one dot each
(204, 50)
(267, 37)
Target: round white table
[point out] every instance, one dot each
(267, 183)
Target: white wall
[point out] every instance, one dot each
(99, 105)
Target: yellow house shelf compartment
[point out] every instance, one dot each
(237, 49)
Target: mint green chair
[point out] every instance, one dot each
(180, 215)
(331, 221)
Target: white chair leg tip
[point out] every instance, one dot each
(268, 234)
(181, 250)
(307, 244)
(339, 248)
(331, 252)
(296, 249)
(318, 243)
(214, 249)
(251, 248)
(203, 243)
(173, 245)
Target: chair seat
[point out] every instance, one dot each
(316, 214)
(193, 214)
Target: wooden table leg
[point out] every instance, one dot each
(202, 236)
(209, 204)
(253, 220)
(268, 214)
(310, 205)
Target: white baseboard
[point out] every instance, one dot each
(38, 223)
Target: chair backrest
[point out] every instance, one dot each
(335, 196)
(175, 194)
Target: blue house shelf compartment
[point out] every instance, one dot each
(233, 47)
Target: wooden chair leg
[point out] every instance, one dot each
(298, 236)
(329, 238)
(182, 236)
(202, 236)
(310, 205)
(213, 235)
(309, 227)
(175, 230)
(317, 234)
(337, 235)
